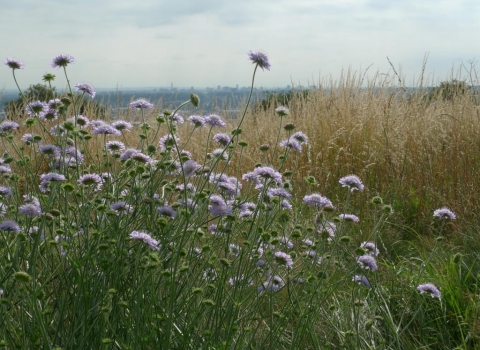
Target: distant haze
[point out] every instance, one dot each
(204, 43)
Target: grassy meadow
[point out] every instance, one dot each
(342, 218)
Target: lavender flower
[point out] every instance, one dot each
(367, 262)
(197, 121)
(14, 63)
(284, 259)
(353, 182)
(115, 147)
(370, 248)
(218, 206)
(430, 289)
(444, 214)
(121, 207)
(145, 237)
(8, 126)
(349, 217)
(260, 59)
(10, 226)
(141, 103)
(361, 280)
(214, 120)
(317, 200)
(91, 180)
(86, 88)
(122, 125)
(62, 61)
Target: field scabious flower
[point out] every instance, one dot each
(10, 226)
(222, 139)
(317, 200)
(218, 206)
(6, 191)
(37, 108)
(292, 144)
(273, 284)
(361, 280)
(430, 289)
(282, 111)
(62, 61)
(145, 237)
(197, 121)
(349, 217)
(370, 248)
(283, 259)
(190, 167)
(166, 210)
(49, 150)
(168, 141)
(214, 120)
(86, 88)
(14, 63)
(30, 209)
(81, 121)
(115, 147)
(8, 125)
(141, 103)
(121, 207)
(122, 125)
(260, 59)
(3, 210)
(353, 182)
(91, 180)
(300, 137)
(367, 262)
(46, 179)
(444, 214)
(105, 129)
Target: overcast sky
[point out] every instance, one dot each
(201, 43)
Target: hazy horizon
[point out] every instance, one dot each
(205, 43)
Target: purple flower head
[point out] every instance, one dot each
(10, 226)
(444, 214)
(367, 262)
(122, 125)
(286, 205)
(105, 129)
(36, 108)
(317, 200)
(230, 189)
(218, 206)
(220, 153)
(266, 173)
(91, 180)
(8, 126)
(176, 118)
(86, 89)
(46, 179)
(31, 199)
(140, 157)
(353, 182)
(6, 191)
(49, 150)
(62, 61)
(30, 209)
(58, 130)
(141, 103)
(349, 217)
(286, 242)
(273, 284)
(214, 120)
(28, 138)
(14, 63)
(370, 248)
(429, 288)
(190, 167)
(166, 210)
(4, 167)
(260, 59)
(50, 114)
(282, 111)
(197, 121)
(127, 154)
(283, 259)
(121, 207)
(292, 144)
(300, 137)
(81, 121)
(168, 142)
(115, 147)
(146, 238)
(55, 103)
(3, 210)
(361, 280)
(223, 139)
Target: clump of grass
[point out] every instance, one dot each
(185, 232)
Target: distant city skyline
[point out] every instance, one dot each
(118, 43)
